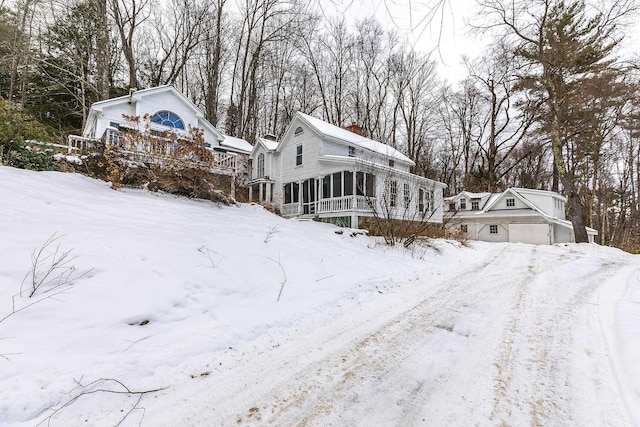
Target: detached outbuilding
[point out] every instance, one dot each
(517, 215)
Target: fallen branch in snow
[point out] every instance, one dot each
(284, 275)
(4, 356)
(51, 268)
(17, 310)
(135, 342)
(206, 252)
(322, 278)
(273, 230)
(101, 386)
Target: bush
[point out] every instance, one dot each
(17, 155)
(16, 127)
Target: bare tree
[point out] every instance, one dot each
(128, 16)
(176, 31)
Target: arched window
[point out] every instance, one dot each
(260, 165)
(298, 131)
(169, 119)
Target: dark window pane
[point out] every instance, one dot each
(287, 193)
(360, 183)
(348, 183)
(326, 187)
(371, 185)
(296, 192)
(337, 184)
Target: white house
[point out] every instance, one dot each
(318, 170)
(515, 215)
(167, 109)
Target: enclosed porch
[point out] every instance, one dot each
(336, 193)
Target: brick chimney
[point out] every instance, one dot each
(355, 129)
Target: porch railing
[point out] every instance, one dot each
(346, 203)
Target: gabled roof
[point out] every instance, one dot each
(236, 144)
(267, 143)
(517, 195)
(347, 137)
(138, 95)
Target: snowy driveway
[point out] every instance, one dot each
(517, 338)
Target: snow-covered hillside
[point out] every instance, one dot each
(181, 297)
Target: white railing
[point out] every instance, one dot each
(82, 145)
(346, 203)
(291, 209)
(225, 160)
(157, 151)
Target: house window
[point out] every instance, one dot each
(493, 229)
(463, 203)
(452, 207)
(352, 151)
(326, 186)
(429, 198)
(511, 202)
(393, 193)
(371, 185)
(260, 165)
(299, 155)
(291, 192)
(391, 163)
(365, 184)
(169, 119)
(298, 131)
(464, 228)
(420, 200)
(348, 183)
(337, 184)
(406, 196)
(475, 205)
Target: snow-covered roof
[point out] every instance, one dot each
(475, 195)
(327, 129)
(523, 191)
(236, 144)
(469, 195)
(268, 143)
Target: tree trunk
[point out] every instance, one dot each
(102, 50)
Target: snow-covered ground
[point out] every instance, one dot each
(181, 296)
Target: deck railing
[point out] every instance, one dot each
(156, 152)
(82, 145)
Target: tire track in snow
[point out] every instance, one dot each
(329, 391)
(535, 381)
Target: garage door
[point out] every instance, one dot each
(537, 234)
